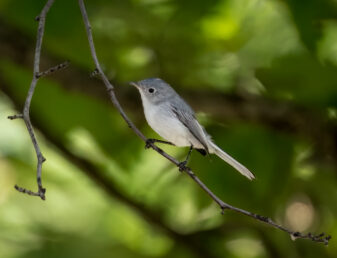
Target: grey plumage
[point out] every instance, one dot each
(174, 120)
(186, 116)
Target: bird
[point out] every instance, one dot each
(174, 120)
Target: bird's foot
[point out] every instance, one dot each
(182, 166)
(149, 142)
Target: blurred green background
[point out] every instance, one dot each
(262, 76)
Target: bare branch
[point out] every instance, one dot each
(53, 69)
(25, 115)
(17, 116)
(222, 205)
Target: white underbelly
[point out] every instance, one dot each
(168, 126)
(164, 122)
(171, 129)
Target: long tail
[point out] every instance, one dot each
(231, 161)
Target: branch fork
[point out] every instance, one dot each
(53, 69)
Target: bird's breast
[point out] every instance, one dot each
(166, 124)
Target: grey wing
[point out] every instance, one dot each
(186, 116)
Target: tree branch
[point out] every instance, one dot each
(25, 114)
(53, 69)
(99, 72)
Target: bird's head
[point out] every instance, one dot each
(154, 90)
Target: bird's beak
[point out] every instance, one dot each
(134, 84)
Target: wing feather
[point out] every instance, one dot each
(186, 116)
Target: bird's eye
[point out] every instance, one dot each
(151, 90)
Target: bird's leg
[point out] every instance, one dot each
(182, 165)
(151, 141)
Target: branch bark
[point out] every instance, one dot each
(25, 116)
(41, 18)
(223, 206)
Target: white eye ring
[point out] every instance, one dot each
(151, 90)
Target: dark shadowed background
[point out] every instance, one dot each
(262, 77)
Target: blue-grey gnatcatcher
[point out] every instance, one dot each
(174, 120)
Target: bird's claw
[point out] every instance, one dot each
(148, 143)
(182, 166)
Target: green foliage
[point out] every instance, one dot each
(271, 51)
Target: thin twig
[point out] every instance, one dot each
(25, 115)
(53, 69)
(99, 72)
(15, 116)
